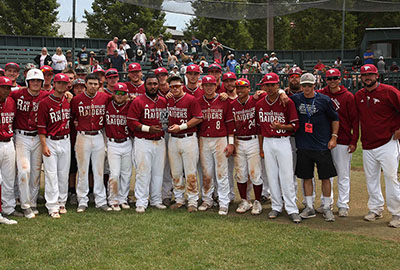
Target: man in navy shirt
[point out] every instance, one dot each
(316, 136)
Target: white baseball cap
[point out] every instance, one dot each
(307, 78)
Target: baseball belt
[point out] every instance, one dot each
(180, 136)
(246, 138)
(28, 133)
(118, 140)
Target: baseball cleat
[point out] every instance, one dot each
(140, 209)
(106, 208)
(321, 209)
(55, 215)
(125, 206)
(273, 214)
(265, 199)
(166, 202)
(192, 209)
(395, 222)
(243, 207)
(63, 210)
(7, 221)
(343, 212)
(204, 206)
(73, 200)
(257, 208)
(35, 210)
(223, 211)
(160, 206)
(115, 207)
(328, 215)
(15, 213)
(28, 213)
(177, 206)
(373, 216)
(81, 209)
(295, 218)
(308, 213)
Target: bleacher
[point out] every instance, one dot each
(308, 65)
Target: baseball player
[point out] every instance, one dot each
(192, 87)
(276, 124)
(184, 114)
(7, 153)
(378, 106)
(247, 161)
(343, 102)
(27, 143)
(101, 74)
(53, 129)
(112, 78)
(135, 83)
(214, 147)
(146, 114)
(48, 74)
(216, 71)
(88, 110)
(119, 148)
(11, 71)
(163, 91)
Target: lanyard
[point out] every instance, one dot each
(312, 105)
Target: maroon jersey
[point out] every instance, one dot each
(183, 109)
(220, 89)
(245, 116)
(89, 111)
(217, 117)
(7, 114)
(27, 108)
(108, 91)
(268, 112)
(116, 123)
(146, 111)
(344, 103)
(136, 90)
(379, 115)
(54, 116)
(197, 92)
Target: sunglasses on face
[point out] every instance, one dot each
(307, 85)
(175, 86)
(332, 78)
(120, 93)
(294, 76)
(241, 83)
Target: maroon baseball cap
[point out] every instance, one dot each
(12, 65)
(99, 70)
(193, 68)
(134, 67)
(209, 79)
(2, 71)
(269, 78)
(120, 87)
(295, 70)
(214, 67)
(369, 69)
(242, 82)
(160, 70)
(5, 81)
(333, 72)
(112, 72)
(61, 77)
(46, 69)
(229, 75)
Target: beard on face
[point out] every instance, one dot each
(152, 95)
(372, 83)
(294, 86)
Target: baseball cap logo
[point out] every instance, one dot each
(331, 71)
(160, 69)
(269, 77)
(228, 74)
(208, 78)
(367, 67)
(192, 67)
(293, 69)
(133, 65)
(6, 80)
(62, 76)
(120, 86)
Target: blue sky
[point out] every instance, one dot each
(65, 12)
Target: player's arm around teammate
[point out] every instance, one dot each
(53, 129)
(184, 114)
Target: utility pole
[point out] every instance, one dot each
(73, 30)
(270, 26)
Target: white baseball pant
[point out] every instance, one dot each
(231, 166)
(56, 173)
(266, 191)
(120, 164)
(279, 167)
(167, 185)
(387, 158)
(149, 159)
(342, 161)
(183, 156)
(248, 162)
(29, 164)
(90, 148)
(7, 168)
(213, 158)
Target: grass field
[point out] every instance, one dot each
(166, 239)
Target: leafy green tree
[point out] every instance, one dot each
(28, 17)
(113, 18)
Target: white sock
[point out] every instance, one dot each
(327, 203)
(309, 201)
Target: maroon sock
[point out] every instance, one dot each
(242, 190)
(257, 192)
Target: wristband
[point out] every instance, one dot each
(145, 128)
(281, 91)
(334, 135)
(231, 140)
(183, 126)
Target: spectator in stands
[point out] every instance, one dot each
(12, 71)
(247, 58)
(140, 39)
(276, 67)
(318, 68)
(273, 57)
(118, 62)
(127, 49)
(265, 67)
(205, 47)
(70, 59)
(381, 65)
(254, 66)
(204, 64)
(83, 58)
(338, 63)
(217, 50)
(394, 67)
(92, 58)
(59, 61)
(225, 59)
(195, 45)
(369, 56)
(122, 52)
(80, 72)
(286, 69)
(155, 59)
(161, 46)
(242, 62)
(178, 49)
(185, 47)
(43, 59)
(356, 64)
(111, 46)
(152, 42)
(174, 71)
(231, 63)
(172, 60)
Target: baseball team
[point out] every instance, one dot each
(190, 139)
